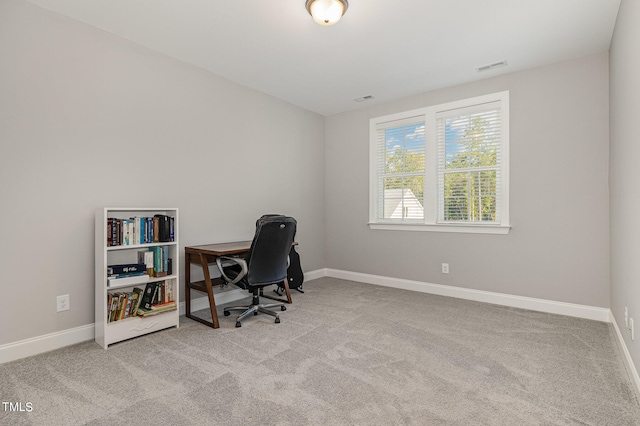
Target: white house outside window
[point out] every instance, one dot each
(442, 168)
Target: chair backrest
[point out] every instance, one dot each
(267, 257)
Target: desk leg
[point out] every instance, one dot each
(187, 281)
(286, 291)
(207, 280)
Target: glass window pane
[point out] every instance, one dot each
(404, 148)
(483, 196)
(471, 141)
(403, 197)
(456, 196)
(470, 196)
(413, 197)
(392, 197)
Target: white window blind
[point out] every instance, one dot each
(469, 155)
(400, 169)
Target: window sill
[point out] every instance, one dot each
(457, 228)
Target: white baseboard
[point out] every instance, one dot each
(46, 343)
(628, 361)
(541, 305)
(313, 275)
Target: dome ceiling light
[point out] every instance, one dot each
(326, 12)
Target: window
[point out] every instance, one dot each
(442, 168)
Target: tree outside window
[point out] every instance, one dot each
(471, 168)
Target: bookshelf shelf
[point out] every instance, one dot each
(115, 285)
(115, 318)
(135, 246)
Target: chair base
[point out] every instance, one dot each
(255, 308)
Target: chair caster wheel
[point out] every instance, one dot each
(238, 324)
(277, 320)
(283, 308)
(227, 313)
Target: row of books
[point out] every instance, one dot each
(154, 262)
(156, 298)
(157, 261)
(140, 230)
(123, 305)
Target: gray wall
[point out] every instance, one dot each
(625, 172)
(89, 120)
(558, 247)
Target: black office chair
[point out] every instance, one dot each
(265, 264)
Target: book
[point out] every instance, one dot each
(162, 228)
(125, 231)
(156, 229)
(135, 236)
(109, 229)
(123, 306)
(137, 292)
(150, 237)
(110, 301)
(147, 298)
(165, 229)
(158, 297)
(158, 309)
(146, 257)
(165, 259)
(118, 232)
(158, 261)
(126, 268)
(116, 300)
(127, 280)
(140, 221)
(109, 306)
(133, 274)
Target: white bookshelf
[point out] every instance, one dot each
(107, 333)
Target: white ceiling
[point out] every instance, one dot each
(386, 48)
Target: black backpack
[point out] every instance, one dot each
(295, 276)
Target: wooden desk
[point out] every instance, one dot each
(204, 255)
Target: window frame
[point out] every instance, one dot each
(432, 202)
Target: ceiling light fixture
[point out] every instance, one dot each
(326, 12)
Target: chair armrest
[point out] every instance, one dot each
(236, 260)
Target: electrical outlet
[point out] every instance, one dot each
(626, 317)
(445, 268)
(63, 303)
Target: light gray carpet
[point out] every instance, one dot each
(345, 353)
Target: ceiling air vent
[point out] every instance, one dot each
(364, 98)
(492, 66)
